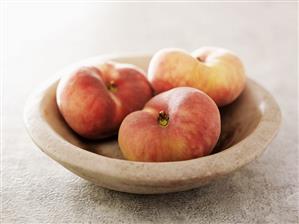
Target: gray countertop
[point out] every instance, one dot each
(41, 38)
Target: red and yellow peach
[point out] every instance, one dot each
(216, 71)
(179, 124)
(95, 100)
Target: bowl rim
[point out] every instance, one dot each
(73, 157)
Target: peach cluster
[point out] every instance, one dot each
(170, 114)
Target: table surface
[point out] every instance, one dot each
(41, 38)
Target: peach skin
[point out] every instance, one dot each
(94, 100)
(216, 71)
(179, 124)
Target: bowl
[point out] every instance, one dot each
(248, 126)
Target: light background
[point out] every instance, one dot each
(42, 38)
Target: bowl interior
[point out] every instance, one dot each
(238, 119)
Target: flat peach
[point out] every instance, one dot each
(216, 71)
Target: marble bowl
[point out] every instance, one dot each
(248, 126)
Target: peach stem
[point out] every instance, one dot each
(112, 87)
(163, 118)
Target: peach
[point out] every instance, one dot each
(179, 124)
(217, 72)
(94, 100)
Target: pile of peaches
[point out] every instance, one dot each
(169, 114)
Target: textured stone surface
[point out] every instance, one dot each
(42, 38)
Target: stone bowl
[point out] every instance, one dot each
(248, 126)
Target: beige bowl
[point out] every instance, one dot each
(248, 126)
